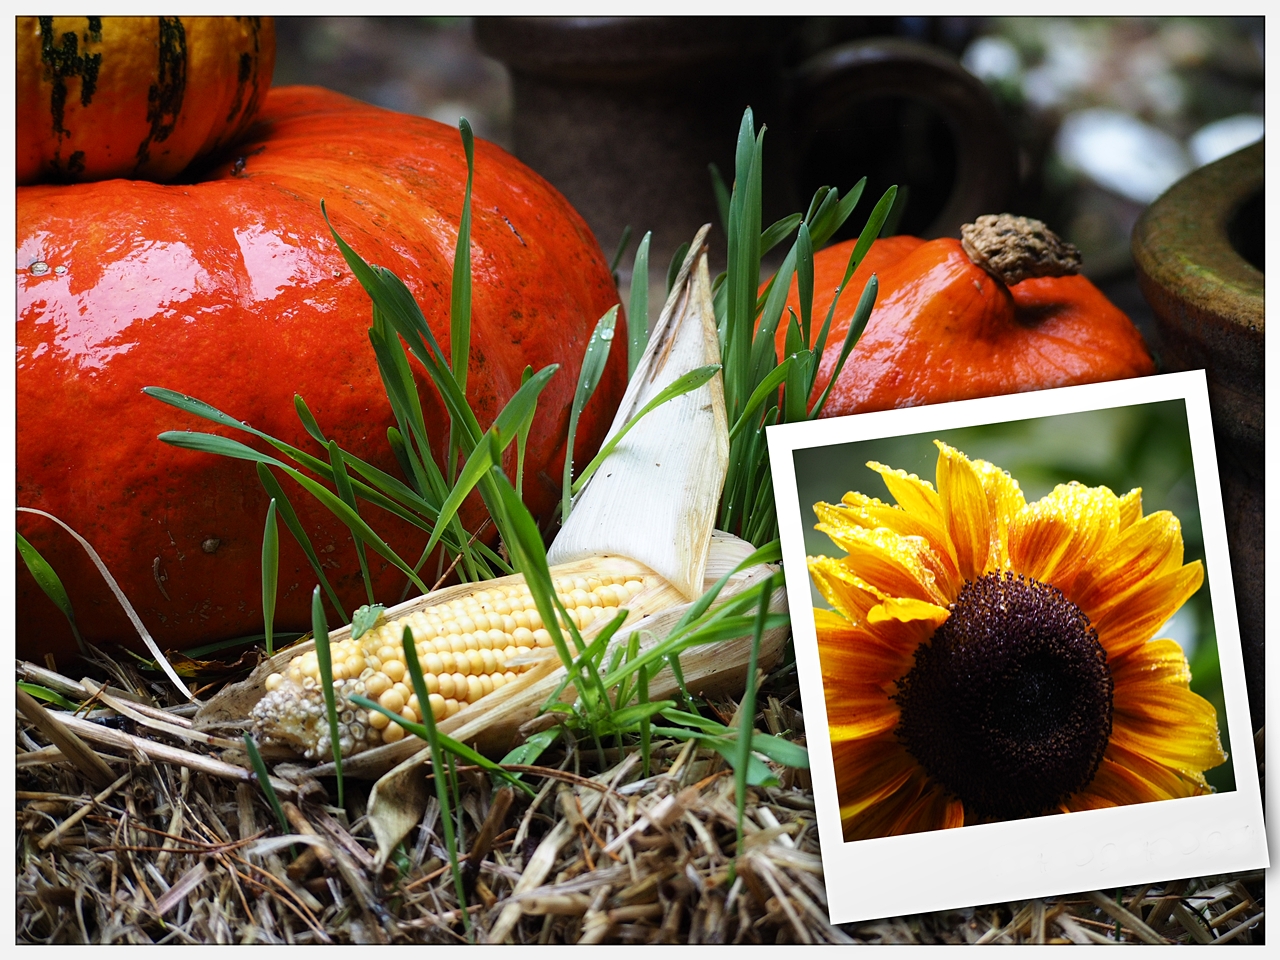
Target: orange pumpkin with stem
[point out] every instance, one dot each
(999, 311)
(230, 288)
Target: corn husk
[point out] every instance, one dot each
(654, 498)
(398, 799)
(493, 723)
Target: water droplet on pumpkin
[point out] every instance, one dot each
(606, 335)
(39, 268)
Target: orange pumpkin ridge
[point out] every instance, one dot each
(140, 97)
(231, 290)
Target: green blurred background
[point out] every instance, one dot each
(1145, 445)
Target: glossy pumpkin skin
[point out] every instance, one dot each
(944, 329)
(232, 290)
(139, 97)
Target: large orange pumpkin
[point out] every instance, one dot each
(944, 328)
(102, 97)
(232, 290)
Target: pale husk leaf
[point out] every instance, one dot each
(654, 498)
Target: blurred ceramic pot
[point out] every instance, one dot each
(623, 115)
(1198, 252)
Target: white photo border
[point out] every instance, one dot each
(1039, 856)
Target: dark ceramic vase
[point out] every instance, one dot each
(1198, 254)
(624, 114)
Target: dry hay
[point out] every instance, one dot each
(148, 837)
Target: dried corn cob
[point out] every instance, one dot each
(466, 648)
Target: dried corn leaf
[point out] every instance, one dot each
(654, 498)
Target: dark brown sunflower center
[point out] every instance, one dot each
(1009, 705)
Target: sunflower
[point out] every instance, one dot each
(992, 659)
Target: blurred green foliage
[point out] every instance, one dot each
(1144, 445)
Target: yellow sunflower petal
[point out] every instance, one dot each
(869, 772)
(1146, 608)
(934, 809)
(1169, 783)
(917, 497)
(1157, 716)
(1114, 786)
(965, 510)
(1131, 508)
(907, 611)
(856, 711)
(1004, 502)
(840, 588)
(871, 513)
(1150, 547)
(878, 819)
(890, 562)
(1159, 661)
(1055, 538)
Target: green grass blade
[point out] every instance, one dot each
(872, 230)
(721, 194)
(758, 774)
(856, 325)
(201, 409)
(437, 768)
(198, 408)
(895, 214)
(524, 541)
(677, 261)
(623, 242)
(646, 732)
(763, 347)
(804, 281)
(723, 623)
(51, 584)
(270, 574)
(264, 779)
(821, 202)
(747, 714)
(406, 405)
(522, 436)
(625, 718)
(743, 264)
(359, 528)
(518, 411)
(343, 483)
(764, 389)
(638, 306)
(285, 509)
(320, 630)
(683, 384)
(482, 459)
(460, 298)
(308, 420)
(778, 232)
(390, 295)
(47, 695)
(795, 399)
(593, 363)
(824, 225)
(529, 751)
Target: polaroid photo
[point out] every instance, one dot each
(1017, 646)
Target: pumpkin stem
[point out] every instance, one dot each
(1013, 249)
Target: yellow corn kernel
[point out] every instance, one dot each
(464, 649)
